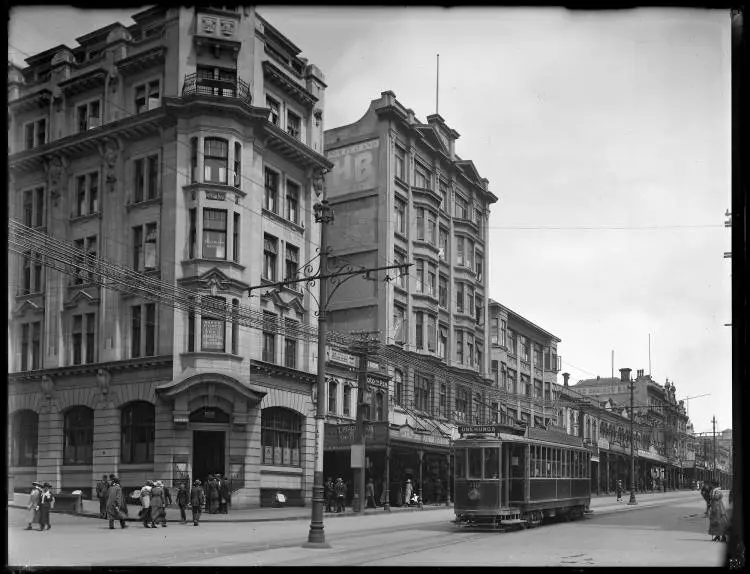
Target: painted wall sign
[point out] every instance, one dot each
(354, 167)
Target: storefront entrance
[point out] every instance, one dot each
(208, 453)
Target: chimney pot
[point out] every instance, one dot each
(566, 376)
(625, 375)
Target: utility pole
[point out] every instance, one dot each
(338, 272)
(716, 474)
(632, 444)
(364, 403)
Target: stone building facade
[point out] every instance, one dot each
(184, 147)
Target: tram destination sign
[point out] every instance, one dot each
(489, 429)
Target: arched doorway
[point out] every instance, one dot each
(210, 426)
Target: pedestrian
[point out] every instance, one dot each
(706, 494)
(370, 493)
(383, 491)
(183, 500)
(330, 494)
(340, 488)
(46, 503)
(145, 512)
(718, 522)
(32, 509)
(213, 495)
(408, 491)
(115, 503)
(158, 512)
(223, 494)
(101, 494)
(197, 501)
(618, 490)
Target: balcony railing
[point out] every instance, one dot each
(195, 85)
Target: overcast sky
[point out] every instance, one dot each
(606, 137)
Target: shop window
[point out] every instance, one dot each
(78, 436)
(25, 438)
(137, 431)
(281, 436)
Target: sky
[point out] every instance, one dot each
(605, 136)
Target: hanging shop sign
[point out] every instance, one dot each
(341, 437)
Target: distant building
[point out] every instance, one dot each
(184, 147)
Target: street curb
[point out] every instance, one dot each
(350, 514)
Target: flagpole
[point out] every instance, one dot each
(437, 85)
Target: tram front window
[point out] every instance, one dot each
(492, 463)
(460, 462)
(475, 463)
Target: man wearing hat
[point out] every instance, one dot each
(46, 503)
(32, 510)
(115, 504)
(340, 488)
(197, 501)
(101, 494)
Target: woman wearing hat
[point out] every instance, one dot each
(158, 514)
(197, 501)
(145, 512)
(46, 503)
(408, 490)
(32, 510)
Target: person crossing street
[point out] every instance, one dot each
(115, 504)
(183, 501)
(46, 504)
(101, 493)
(197, 501)
(32, 509)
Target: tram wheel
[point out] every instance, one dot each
(535, 518)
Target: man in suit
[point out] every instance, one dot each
(115, 504)
(224, 494)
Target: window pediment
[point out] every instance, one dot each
(27, 306)
(214, 280)
(87, 295)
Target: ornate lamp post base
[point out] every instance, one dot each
(632, 498)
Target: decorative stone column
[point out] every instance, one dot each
(106, 448)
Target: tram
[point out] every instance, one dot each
(517, 476)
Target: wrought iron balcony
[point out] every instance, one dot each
(201, 86)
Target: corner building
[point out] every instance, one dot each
(401, 195)
(184, 147)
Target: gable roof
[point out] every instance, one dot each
(431, 135)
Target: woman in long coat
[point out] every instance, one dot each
(157, 505)
(46, 503)
(145, 512)
(213, 496)
(717, 517)
(32, 510)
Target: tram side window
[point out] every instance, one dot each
(555, 462)
(558, 463)
(547, 462)
(575, 465)
(536, 462)
(460, 462)
(492, 462)
(475, 463)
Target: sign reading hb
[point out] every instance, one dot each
(354, 167)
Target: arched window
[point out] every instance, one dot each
(281, 436)
(137, 433)
(25, 438)
(78, 436)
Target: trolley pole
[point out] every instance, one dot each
(715, 473)
(632, 450)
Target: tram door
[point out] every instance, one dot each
(505, 475)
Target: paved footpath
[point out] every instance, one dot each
(599, 505)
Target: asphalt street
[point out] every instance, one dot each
(667, 532)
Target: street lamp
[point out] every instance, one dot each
(632, 500)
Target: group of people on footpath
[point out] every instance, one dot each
(112, 503)
(719, 516)
(41, 502)
(336, 495)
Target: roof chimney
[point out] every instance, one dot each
(625, 375)
(566, 376)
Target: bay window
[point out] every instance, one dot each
(215, 160)
(214, 233)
